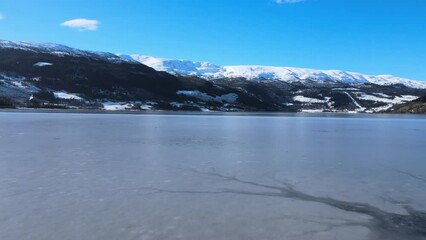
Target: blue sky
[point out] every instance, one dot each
(367, 36)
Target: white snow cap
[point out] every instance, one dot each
(257, 72)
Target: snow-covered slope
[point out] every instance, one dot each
(288, 74)
(59, 50)
(179, 67)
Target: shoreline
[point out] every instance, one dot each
(215, 113)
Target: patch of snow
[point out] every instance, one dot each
(176, 104)
(406, 98)
(229, 98)
(395, 100)
(360, 108)
(383, 95)
(17, 84)
(11, 78)
(42, 64)
(330, 104)
(345, 89)
(373, 98)
(115, 106)
(379, 109)
(302, 99)
(146, 107)
(312, 110)
(68, 96)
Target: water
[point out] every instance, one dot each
(114, 176)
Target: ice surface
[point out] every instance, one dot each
(106, 176)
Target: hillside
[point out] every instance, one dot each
(46, 75)
(417, 106)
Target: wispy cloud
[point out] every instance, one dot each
(2, 16)
(81, 24)
(288, 1)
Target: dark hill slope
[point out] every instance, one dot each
(417, 106)
(98, 77)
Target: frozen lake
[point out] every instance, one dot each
(201, 177)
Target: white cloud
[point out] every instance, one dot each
(2, 16)
(81, 24)
(288, 1)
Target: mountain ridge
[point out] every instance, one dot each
(208, 70)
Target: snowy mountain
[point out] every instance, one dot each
(178, 67)
(288, 74)
(47, 75)
(208, 70)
